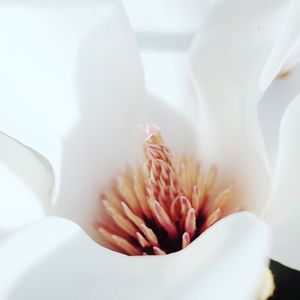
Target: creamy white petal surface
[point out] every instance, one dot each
(284, 58)
(60, 57)
(86, 58)
(285, 43)
(272, 106)
(112, 106)
(284, 207)
(23, 77)
(293, 59)
(24, 175)
(239, 50)
(237, 54)
(228, 57)
(173, 16)
(58, 261)
(164, 31)
(24, 192)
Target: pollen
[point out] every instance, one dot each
(162, 206)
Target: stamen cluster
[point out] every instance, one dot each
(163, 206)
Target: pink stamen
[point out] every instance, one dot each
(158, 251)
(148, 209)
(185, 240)
(190, 222)
(164, 219)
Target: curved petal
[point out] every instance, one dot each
(166, 77)
(233, 61)
(107, 81)
(272, 106)
(100, 74)
(24, 192)
(168, 16)
(63, 57)
(164, 31)
(283, 210)
(293, 59)
(59, 261)
(217, 259)
(111, 142)
(111, 103)
(285, 87)
(37, 76)
(178, 131)
(23, 77)
(285, 45)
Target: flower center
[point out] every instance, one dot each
(162, 207)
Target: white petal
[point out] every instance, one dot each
(112, 103)
(272, 106)
(164, 32)
(168, 16)
(178, 131)
(103, 144)
(24, 193)
(66, 61)
(283, 211)
(24, 75)
(108, 81)
(100, 72)
(230, 69)
(166, 78)
(37, 76)
(223, 262)
(285, 87)
(293, 59)
(286, 44)
(58, 261)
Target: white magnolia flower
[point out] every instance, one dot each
(76, 67)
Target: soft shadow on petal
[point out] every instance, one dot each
(164, 31)
(103, 144)
(87, 59)
(112, 106)
(272, 106)
(64, 63)
(168, 16)
(166, 77)
(283, 61)
(227, 59)
(26, 80)
(108, 83)
(293, 59)
(58, 261)
(286, 44)
(225, 262)
(25, 191)
(284, 207)
(179, 132)
(30, 158)
(36, 78)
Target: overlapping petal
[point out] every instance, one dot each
(24, 192)
(228, 59)
(283, 209)
(87, 59)
(59, 261)
(239, 50)
(164, 31)
(84, 77)
(283, 60)
(272, 106)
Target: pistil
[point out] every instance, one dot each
(163, 206)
